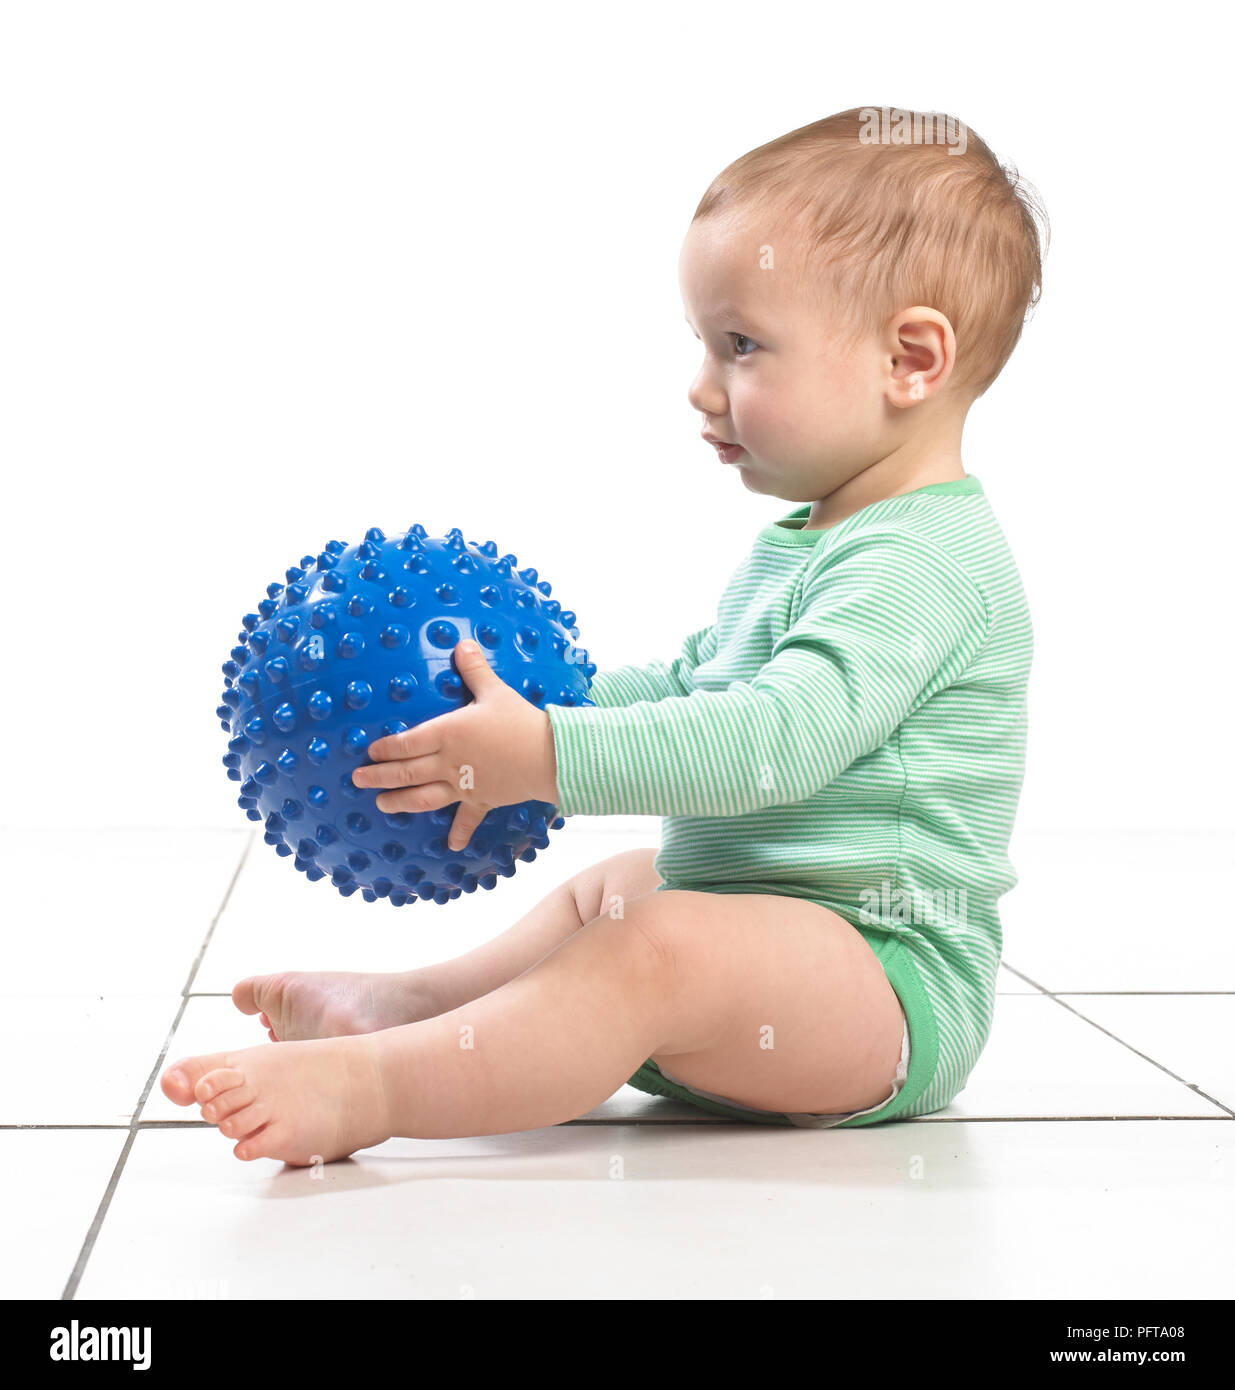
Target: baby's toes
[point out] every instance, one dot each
(179, 1082)
(244, 995)
(267, 1141)
(224, 1100)
(214, 1082)
(245, 1123)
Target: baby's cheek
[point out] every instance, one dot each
(762, 421)
(783, 427)
(826, 418)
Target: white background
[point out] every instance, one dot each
(273, 273)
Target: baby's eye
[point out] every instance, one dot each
(738, 340)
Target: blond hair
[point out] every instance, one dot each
(892, 225)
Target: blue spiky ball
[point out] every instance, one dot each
(356, 644)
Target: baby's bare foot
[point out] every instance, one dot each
(302, 1102)
(296, 1005)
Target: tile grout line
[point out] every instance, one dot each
(1057, 999)
(718, 1122)
(1020, 975)
(92, 1235)
(1150, 993)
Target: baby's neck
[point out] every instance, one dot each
(904, 470)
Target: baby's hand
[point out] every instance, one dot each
(496, 751)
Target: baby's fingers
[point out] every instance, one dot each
(409, 772)
(410, 743)
(426, 798)
(467, 818)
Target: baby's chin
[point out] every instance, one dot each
(769, 480)
(754, 476)
(763, 478)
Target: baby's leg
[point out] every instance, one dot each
(773, 1002)
(295, 1005)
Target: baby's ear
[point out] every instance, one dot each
(921, 352)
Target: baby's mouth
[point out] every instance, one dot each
(726, 451)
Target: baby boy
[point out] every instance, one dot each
(838, 757)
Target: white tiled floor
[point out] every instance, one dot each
(1090, 1155)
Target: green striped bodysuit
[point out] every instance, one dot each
(850, 730)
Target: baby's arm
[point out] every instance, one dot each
(658, 680)
(890, 620)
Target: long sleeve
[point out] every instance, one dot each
(883, 623)
(627, 685)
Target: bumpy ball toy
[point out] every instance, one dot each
(358, 644)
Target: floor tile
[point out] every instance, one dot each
(1189, 1034)
(1050, 1210)
(125, 912)
(1094, 911)
(1041, 1060)
(83, 1060)
(51, 1184)
(1007, 981)
(1025, 1186)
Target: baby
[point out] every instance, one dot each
(838, 756)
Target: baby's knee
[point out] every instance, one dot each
(637, 940)
(603, 889)
(672, 928)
